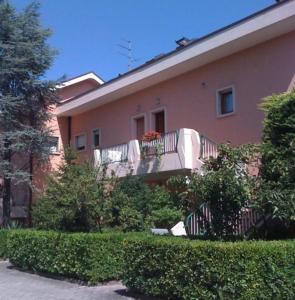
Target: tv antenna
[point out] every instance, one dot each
(126, 46)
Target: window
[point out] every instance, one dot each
(80, 142)
(53, 144)
(159, 118)
(225, 101)
(96, 138)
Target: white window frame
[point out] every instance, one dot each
(75, 141)
(152, 117)
(99, 131)
(218, 101)
(133, 124)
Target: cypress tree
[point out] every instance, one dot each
(26, 98)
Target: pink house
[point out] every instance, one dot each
(206, 91)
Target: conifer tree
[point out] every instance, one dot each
(25, 97)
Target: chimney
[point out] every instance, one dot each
(184, 41)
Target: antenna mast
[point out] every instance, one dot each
(127, 47)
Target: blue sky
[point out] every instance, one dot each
(87, 32)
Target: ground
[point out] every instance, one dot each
(15, 284)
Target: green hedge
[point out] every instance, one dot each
(174, 268)
(3, 240)
(91, 257)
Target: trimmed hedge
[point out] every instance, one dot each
(91, 257)
(3, 240)
(174, 268)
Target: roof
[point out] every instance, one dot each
(264, 25)
(80, 78)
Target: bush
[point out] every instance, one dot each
(225, 187)
(3, 241)
(91, 257)
(134, 205)
(131, 220)
(173, 268)
(165, 218)
(74, 199)
(278, 157)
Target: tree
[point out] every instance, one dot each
(25, 99)
(278, 157)
(225, 187)
(74, 200)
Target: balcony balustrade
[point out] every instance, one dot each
(179, 150)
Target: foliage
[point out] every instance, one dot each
(134, 205)
(74, 199)
(25, 98)
(131, 219)
(225, 187)
(173, 268)
(80, 198)
(3, 241)
(151, 149)
(91, 257)
(278, 156)
(165, 217)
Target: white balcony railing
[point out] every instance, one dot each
(184, 149)
(208, 148)
(117, 153)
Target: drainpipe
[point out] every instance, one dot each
(69, 131)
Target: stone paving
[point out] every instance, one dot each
(18, 285)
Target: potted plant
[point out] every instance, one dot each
(148, 148)
(151, 136)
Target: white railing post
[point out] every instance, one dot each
(188, 148)
(133, 151)
(97, 158)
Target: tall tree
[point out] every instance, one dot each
(278, 156)
(25, 97)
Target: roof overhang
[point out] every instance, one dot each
(78, 79)
(263, 26)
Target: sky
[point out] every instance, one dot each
(87, 32)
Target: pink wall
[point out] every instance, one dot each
(255, 73)
(59, 128)
(68, 92)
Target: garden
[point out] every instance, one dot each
(94, 229)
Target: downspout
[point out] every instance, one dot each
(69, 131)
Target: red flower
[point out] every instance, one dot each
(151, 136)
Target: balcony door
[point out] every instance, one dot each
(139, 123)
(159, 118)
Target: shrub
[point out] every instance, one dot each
(3, 241)
(91, 257)
(165, 217)
(226, 186)
(134, 205)
(74, 199)
(131, 219)
(278, 156)
(173, 268)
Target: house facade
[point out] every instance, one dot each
(207, 91)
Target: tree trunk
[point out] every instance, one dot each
(6, 186)
(31, 162)
(6, 201)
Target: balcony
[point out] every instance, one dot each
(175, 152)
